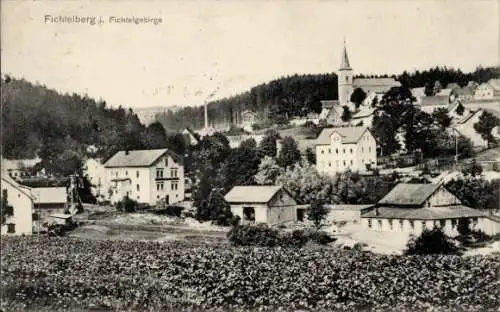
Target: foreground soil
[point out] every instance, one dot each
(74, 274)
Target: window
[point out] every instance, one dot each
(344, 163)
(329, 150)
(137, 173)
(401, 224)
(116, 174)
(351, 150)
(346, 78)
(343, 150)
(412, 225)
(173, 172)
(379, 224)
(11, 228)
(442, 223)
(362, 149)
(34, 216)
(337, 150)
(159, 173)
(390, 224)
(369, 150)
(322, 151)
(351, 162)
(174, 186)
(369, 223)
(329, 164)
(166, 161)
(126, 173)
(159, 186)
(138, 187)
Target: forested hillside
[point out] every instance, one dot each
(299, 94)
(63, 129)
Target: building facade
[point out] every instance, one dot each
(262, 204)
(411, 208)
(19, 208)
(146, 176)
(349, 148)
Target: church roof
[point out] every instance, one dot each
(377, 85)
(345, 61)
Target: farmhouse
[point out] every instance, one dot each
(263, 204)
(411, 208)
(146, 176)
(49, 200)
(18, 209)
(340, 149)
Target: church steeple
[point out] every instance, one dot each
(344, 65)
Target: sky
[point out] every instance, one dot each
(212, 49)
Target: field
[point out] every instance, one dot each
(71, 274)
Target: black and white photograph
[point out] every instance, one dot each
(250, 156)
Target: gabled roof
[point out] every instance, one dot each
(348, 134)
(23, 189)
(468, 116)
(377, 85)
(365, 111)
(9, 164)
(418, 92)
(258, 194)
(137, 158)
(408, 194)
(437, 100)
(49, 195)
(434, 213)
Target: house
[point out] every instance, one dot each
(486, 91)
(331, 113)
(465, 126)
(49, 200)
(19, 168)
(248, 119)
(190, 137)
(430, 103)
(19, 209)
(340, 149)
(263, 204)
(411, 208)
(145, 176)
(363, 117)
(418, 93)
(463, 94)
(96, 173)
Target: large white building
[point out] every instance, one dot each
(340, 149)
(19, 208)
(411, 208)
(146, 176)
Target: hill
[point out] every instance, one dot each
(300, 94)
(62, 129)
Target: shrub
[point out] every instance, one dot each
(480, 236)
(463, 226)
(127, 205)
(174, 211)
(321, 237)
(317, 212)
(431, 242)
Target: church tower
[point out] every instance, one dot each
(345, 77)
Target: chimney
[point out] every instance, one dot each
(206, 115)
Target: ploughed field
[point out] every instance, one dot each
(67, 274)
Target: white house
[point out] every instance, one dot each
(340, 149)
(486, 90)
(19, 210)
(263, 204)
(19, 168)
(248, 118)
(145, 176)
(410, 208)
(465, 126)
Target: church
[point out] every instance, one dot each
(373, 87)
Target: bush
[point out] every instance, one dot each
(431, 242)
(174, 211)
(480, 236)
(127, 205)
(321, 237)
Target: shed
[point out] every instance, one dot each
(263, 204)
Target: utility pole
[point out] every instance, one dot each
(456, 148)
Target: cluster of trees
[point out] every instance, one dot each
(63, 129)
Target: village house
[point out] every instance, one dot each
(349, 148)
(190, 137)
(463, 94)
(146, 176)
(19, 209)
(465, 126)
(430, 103)
(486, 91)
(19, 168)
(248, 119)
(49, 200)
(411, 208)
(263, 204)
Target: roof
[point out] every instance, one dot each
(329, 103)
(252, 194)
(467, 90)
(452, 85)
(418, 92)
(437, 100)
(136, 158)
(495, 83)
(409, 194)
(348, 134)
(348, 207)
(49, 195)
(377, 85)
(444, 92)
(344, 64)
(61, 216)
(433, 213)
(9, 164)
(23, 189)
(364, 111)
